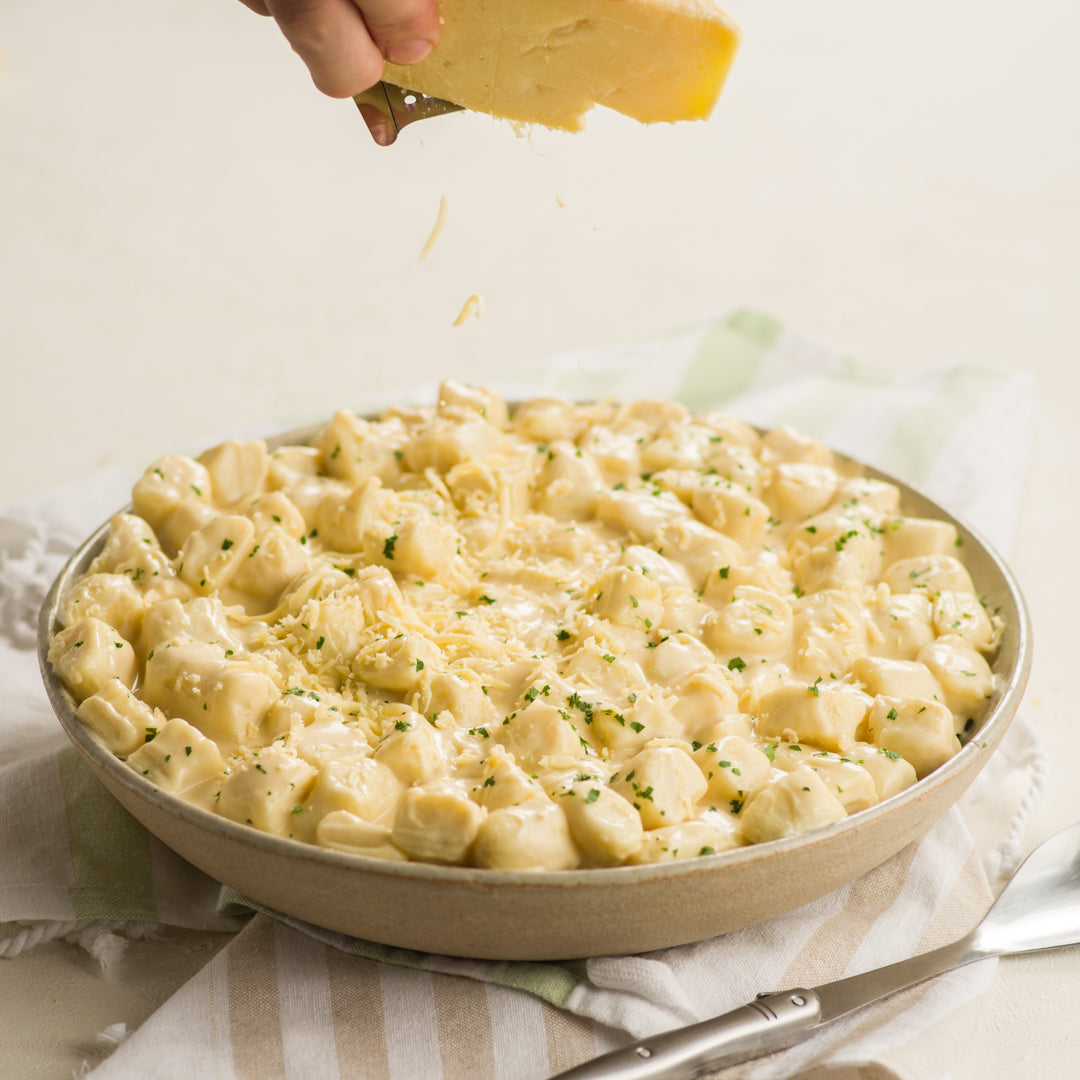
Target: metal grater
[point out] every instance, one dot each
(387, 108)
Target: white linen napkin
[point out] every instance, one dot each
(285, 999)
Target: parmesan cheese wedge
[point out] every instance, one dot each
(549, 61)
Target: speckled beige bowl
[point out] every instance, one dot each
(560, 915)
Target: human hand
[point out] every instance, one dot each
(345, 42)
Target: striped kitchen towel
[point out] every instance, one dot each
(284, 999)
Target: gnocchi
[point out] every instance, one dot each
(539, 637)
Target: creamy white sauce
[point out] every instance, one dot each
(577, 635)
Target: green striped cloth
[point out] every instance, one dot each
(284, 999)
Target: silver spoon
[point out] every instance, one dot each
(1038, 909)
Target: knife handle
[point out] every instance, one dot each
(771, 1022)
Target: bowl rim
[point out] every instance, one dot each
(986, 735)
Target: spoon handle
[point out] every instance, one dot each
(770, 1022)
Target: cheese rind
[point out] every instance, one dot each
(548, 62)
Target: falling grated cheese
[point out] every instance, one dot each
(440, 221)
(472, 307)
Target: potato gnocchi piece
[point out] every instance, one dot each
(569, 484)
(698, 549)
(88, 653)
(598, 666)
(677, 447)
(733, 768)
(456, 398)
(128, 535)
(436, 825)
(655, 413)
(546, 420)
(845, 777)
(111, 598)
(705, 700)
(445, 442)
(727, 431)
(118, 718)
(540, 735)
(921, 732)
(765, 575)
(964, 675)
(189, 515)
(212, 554)
(290, 465)
(683, 612)
(734, 512)
(616, 450)
(676, 657)
(464, 700)
(859, 494)
(890, 772)
(225, 699)
(629, 598)
(785, 444)
(640, 514)
(828, 715)
(830, 632)
(400, 663)
(203, 618)
(958, 614)
(341, 831)
(754, 623)
(364, 787)
(605, 827)
(897, 678)
(649, 717)
(412, 545)
(270, 566)
(348, 518)
(653, 716)
(844, 555)
(736, 464)
(656, 567)
(900, 625)
(912, 538)
(411, 749)
(527, 836)
(167, 483)
(800, 489)
(275, 510)
(177, 757)
(320, 740)
(791, 805)
(331, 632)
(688, 840)
(267, 791)
(504, 783)
(928, 575)
(663, 783)
(237, 470)
(356, 450)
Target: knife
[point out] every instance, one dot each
(771, 1022)
(387, 108)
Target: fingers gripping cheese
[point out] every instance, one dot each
(548, 62)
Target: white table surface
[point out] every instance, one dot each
(192, 240)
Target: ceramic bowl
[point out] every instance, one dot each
(462, 911)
